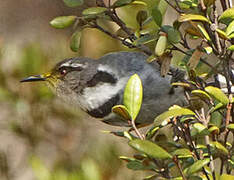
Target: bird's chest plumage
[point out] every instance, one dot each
(98, 100)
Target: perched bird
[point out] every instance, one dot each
(96, 86)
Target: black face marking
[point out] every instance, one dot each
(104, 109)
(101, 76)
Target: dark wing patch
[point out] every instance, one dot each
(104, 109)
(101, 76)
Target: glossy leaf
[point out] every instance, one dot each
(220, 147)
(173, 36)
(203, 32)
(217, 107)
(192, 17)
(133, 94)
(231, 48)
(122, 111)
(230, 28)
(73, 3)
(151, 132)
(149, 148)
(214, 129)
(201, 129)
(226, 177)
(120, 3)
(173, 113)
(161, 45)
(202, 94)
(231, 126)
(62, 21)
(75, 41)
(227, 16)
(139, 165)
(157, 16)
(197, 166)
(182, 153)
(93, 11)
(217, 94)
(222, 34)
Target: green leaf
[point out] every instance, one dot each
(214, 129)
(75, 41)
(230, 28)
(201, 129)
(217, 94)
(157, 16)
(226, 177)
(173, 36)
(216, 119)
(182, 153)
(231, 48)
(122, 111)
(220, 147)
(202, 94)
(173, 113)
(62, 21)
(227, 16)
(139, 165)
(120, 3)
(203, 32)
(144, 39)
(217, 107)
(231, 35)
(192, 17)
(222, 34)
(73, 3)
(197, 166)
(231, 126)
(133, 94)
(93, 11)
(151, 132)
(149, 148)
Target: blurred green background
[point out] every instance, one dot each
(42, 138)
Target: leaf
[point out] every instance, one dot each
(62, 21)
(192, 17)
(151, 132)
(75, 41)
(182, 153)
(202, 94)
(203, 32)
(173, 113)
(231, 126)
(226, 177)
(120, 3)
(197, 166)
(149, 148)
(222, 34)
(217, 94)
(161, 45)
(144, 39)
(133, 94)
(230, 28)
(122, 111)
(173, 36)
(216, 119)
(157, 16)
(214, 129)
(201, 129)
(93, 11)
(138, 165)
(220, 147)
(217, 107)
(231, 48)
(73, 3)
(227, 16)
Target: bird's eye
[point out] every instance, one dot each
(63, 72)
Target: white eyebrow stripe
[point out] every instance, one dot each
(74, 65)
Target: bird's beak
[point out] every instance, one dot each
(41, 77)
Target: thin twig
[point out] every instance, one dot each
(175, 8)
(136, 130)
(177, 162)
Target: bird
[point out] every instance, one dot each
(95, 86)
